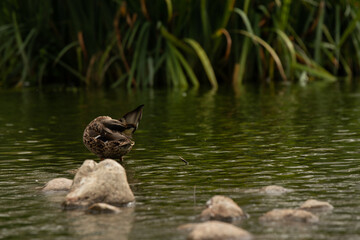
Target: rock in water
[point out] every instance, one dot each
(214, 230)
(104, 182)
(58, 184)
(98, 208)
(222, 208)
(289, 215)
(315, 205)
(274, 190)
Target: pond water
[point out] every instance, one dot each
(303, 138)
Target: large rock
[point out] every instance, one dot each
(215, 230)
(58, 184)
(104, 182)
(289, 215)
(222, 208)
(315, 205)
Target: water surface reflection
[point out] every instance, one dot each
(305, 139)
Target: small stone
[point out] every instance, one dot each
(58, 184)
(222, 208)
(98, 208)
(315, 205)
(289, 215)
(274, 190)
(215, 230)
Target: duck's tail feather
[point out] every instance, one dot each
(133, 118)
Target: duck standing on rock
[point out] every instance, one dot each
(112, 138)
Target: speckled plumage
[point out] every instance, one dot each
(111, 138)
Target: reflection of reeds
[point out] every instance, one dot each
(176, 43)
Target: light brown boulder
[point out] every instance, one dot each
(98, 208)
(58, 184)
(289, 216)
(222, 208)
(215, 230)
(315, 205)
(274, 190)
(99, 182)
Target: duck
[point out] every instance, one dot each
(107, 137)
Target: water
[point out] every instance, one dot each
(302, 138)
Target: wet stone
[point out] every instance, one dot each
(222, 208)
(58, 184)
(215, 230)
(289, 215)
(274, 190)
(99, 208)
(315, 205)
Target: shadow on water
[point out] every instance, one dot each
(305, 139)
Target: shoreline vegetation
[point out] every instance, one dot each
(179, 44)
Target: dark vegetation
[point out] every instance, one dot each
(183, 43)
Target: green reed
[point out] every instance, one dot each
(176, 43)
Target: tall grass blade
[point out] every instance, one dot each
(269, 49)
(133, 32)
(240, 66)
(21, 48)
(246, 6)
(194, 80)
(205, 23)
(204, 60)
(229, 7)
(140, 46)
(317, 72)
(239, 71)
(151, 70)
(284, 17)
(290, 46)
(71, 70)
(107, 66)
(350, 28)
(245, 19)
(337, 36)
(170, 68)
(170, 37)
(65, 50)
(318, 38)
(169, 9)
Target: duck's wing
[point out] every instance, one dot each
(114, 125)
(133, 119)
(109, 135)
(108, 130)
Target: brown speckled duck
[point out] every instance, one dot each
(111, 138)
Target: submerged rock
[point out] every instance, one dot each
(274, 190)
(102, 226)
(58, 184)
(315, 205)
(215, 230)
(222, 208)
(98, 208)
(104, 182)
(289, 215)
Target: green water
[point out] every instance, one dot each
(303, 138)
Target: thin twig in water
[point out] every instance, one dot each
(194, 195)
(182, 159)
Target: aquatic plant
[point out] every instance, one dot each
(176, 43)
